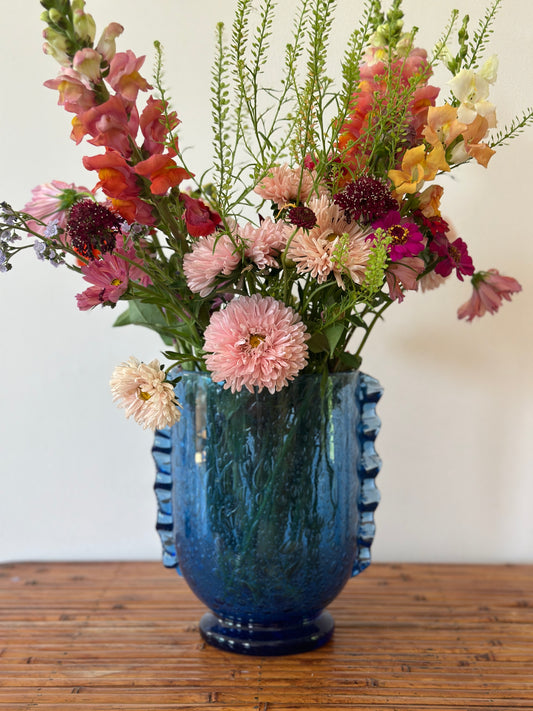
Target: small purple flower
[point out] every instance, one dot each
(39, 248)
(51, 229)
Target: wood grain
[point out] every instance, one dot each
(124, 635)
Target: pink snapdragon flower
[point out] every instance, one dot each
(253, 342)
(211, 256)
(52, 201)
(110, 124)
(124, 75)
(75, 92)
(154, 126)
(489, 289)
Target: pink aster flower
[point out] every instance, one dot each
(255, 342)
(52, 201)
(333, 246)
(264, 243)
(141, 389)
(407, 240)
(285, 185)
(489, 290)
(211, 257)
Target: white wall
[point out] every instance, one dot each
(457, 412)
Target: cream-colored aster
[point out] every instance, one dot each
(141, 389)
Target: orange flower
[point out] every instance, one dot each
(417, 167)
(162, 172)
(430, 200)
(442, 125)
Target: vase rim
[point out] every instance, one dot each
(202, 374)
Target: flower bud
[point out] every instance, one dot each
(87, 63)
(55, 16)
(84, 24)
(106, 45)
(56, 46)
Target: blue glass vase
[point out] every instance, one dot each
(266, 504)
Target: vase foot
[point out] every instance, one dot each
(264, 640)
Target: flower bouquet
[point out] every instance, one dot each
(321, 209)
(264, 276)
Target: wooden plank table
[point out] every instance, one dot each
(124, 635)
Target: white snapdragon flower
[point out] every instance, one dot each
(472, 90)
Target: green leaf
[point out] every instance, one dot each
(318, 343)
(349, 359)
(147, 315)
(333, 334)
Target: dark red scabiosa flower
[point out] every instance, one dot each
(365, 199)
(92, 229)
(406, 238)
(454, 256)
(302, 216)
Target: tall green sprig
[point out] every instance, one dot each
(220, 107)
(314, 99)
(482, 36)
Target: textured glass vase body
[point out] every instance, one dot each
(266, 504)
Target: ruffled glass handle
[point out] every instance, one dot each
(369, 391)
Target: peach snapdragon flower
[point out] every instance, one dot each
(142, 390)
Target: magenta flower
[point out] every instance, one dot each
(407, 240)
(489, 290)
(255, 342)
(454, 256)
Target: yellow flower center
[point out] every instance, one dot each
(331, 237)
(143, 395)
(256, 339)
(399, 234)
(116, 282)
